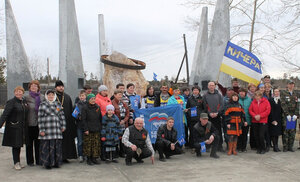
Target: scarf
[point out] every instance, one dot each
(276, 99)
(36, 96)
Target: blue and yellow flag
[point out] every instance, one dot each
(242, 64)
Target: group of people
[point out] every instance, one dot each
(107, 128)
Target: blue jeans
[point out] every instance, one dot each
(79, 141)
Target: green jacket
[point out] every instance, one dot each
(289, 103)
(246, 102)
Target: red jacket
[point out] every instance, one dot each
(261, 108)
(102, 102)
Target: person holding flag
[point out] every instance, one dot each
(204, 131)
(166, 141)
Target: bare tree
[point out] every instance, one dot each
(250, 23)
(289, 14)
(37, 66)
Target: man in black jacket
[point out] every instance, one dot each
(166, 141)
(204, 131)
(163, 97)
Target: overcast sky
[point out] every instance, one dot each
(147, 30)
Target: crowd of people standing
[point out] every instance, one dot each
(107, 128)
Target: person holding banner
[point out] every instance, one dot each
(290, 108)
(195, 107)
(134, 101)
(235, 119)
(163, 97)
(137, 143)
(79, 105)
(205, 133)
(214, 105)
(259, 110)
(149, 98)
(234, 84)
(166, 141)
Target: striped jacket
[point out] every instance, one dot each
(51, 120)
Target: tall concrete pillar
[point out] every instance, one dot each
(200, 49)
(102, 43)
(219, 36)
(18, 71)
(70, 58)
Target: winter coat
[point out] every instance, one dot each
(275, 115)
(111, 130)
(51, 120)
(102, 102)
(246, 102)
(202, 133)
(162, 135)
(172, 100)
(32, 115)
(213, 102)
(91, 118)
(80, 104)
(195, 102)
(235, 117)
(157, 100)
(261, 108)
(14, 116)
(115, 103)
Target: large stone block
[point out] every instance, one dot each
(114, 75)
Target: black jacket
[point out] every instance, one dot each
(162, 135)
(195, 102)
(202, 133)
(80, 104)
(91, 118)
(275, 115)
(157, 100)
(14, 116)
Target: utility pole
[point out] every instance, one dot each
(48, 71)
(185, 57)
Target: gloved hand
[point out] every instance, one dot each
(294, 117)
(103, 139)
(289, 117)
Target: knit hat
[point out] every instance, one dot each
(88, 97)
(102, 88)
(59, 83)
(261, 85)
(110, 107)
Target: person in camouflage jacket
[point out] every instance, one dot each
(290, 107)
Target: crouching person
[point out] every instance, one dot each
(91, 118)
(204, 131)
(137, 143)
(166, 141)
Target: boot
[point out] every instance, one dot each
(234, 148)
(95, 161)
(89, 161)
(229, 148)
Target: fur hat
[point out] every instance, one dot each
(59, 83)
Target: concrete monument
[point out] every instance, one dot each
(70, 58)
(18, 72)
(200, 49)
(102, 43)
(218, 38)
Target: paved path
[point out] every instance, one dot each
(283, 167)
